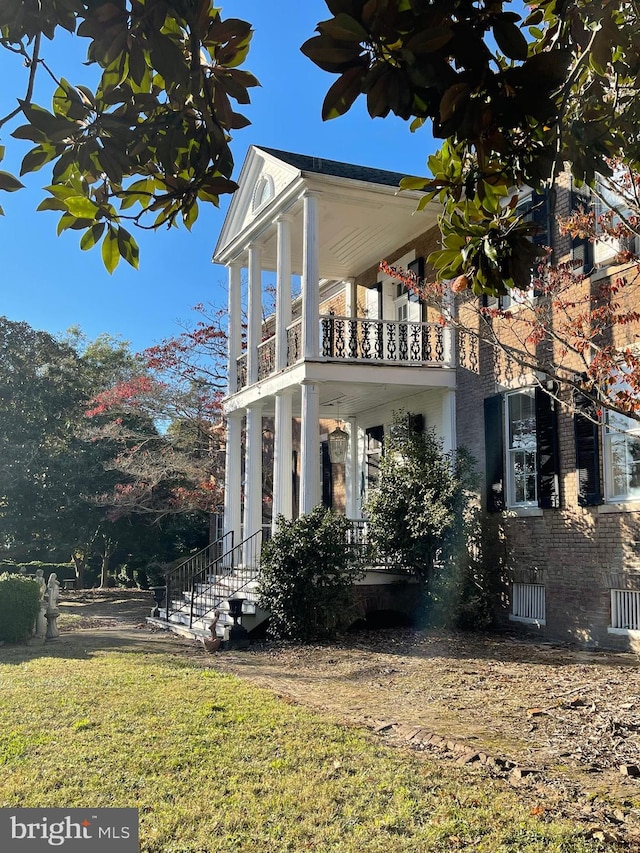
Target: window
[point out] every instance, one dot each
(520, 413)
(374, 437)
(622, 458)
(528, 603)
(625, 609)
(521, 450)
(263, 192)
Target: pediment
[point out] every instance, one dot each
(263, 178)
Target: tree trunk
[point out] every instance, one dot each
(79, 562)
(104, 571)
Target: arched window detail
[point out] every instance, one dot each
(263, 192)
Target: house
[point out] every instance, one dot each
(346, 346)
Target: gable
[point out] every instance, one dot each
(262, 181)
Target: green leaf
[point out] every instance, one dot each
(452, 99)
(410, 183)
(36, 158)
(9, 183)
(81, 207)
(430, 39)
(127, 247)
(510, 39)
(343, 93)
(91, 236)
(110, 251)
(344, 28)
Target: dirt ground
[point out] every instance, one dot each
(563, 724)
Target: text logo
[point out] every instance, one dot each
(69, 830)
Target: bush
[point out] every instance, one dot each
(19, 605)
(307, 577)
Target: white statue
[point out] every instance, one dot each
(41, 619)
(53, 594)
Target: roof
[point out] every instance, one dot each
(333, 167)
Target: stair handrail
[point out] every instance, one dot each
(248, 549)
(207, 555)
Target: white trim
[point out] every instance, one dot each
(510, 452)
(529, 599)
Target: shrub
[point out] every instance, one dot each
(423, 516)
(307, 577)
(19, 604)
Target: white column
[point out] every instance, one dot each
(253, 474)
(234, 326)
(283, 289)
(310, 448)
(282, 455)
(351, 298)
(449, 434)
(310, 280)
(254, 312)
(351, 470)
(233, 478)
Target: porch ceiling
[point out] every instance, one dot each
(357, 229)
(344, 401)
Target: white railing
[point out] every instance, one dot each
(528, 603)
(398, 341)
(625, 609)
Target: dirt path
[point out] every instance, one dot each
(571, 716)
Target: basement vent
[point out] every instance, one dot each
(625, 609)
(528, 603)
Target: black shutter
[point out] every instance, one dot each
(494, 451)
(327, 482)
(582, 248)
(540, 216)
(417, 268)
(547, 456)
(587, 439)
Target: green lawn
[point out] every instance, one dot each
(216, 765)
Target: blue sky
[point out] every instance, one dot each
(51, 284)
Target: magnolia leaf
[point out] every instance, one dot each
(343, 93)
(9, 183)
(36, 158)
(110, 252)
(510, 39)
(344, 28)
(128, 248)
(91, 236)
(410, 183)
(81, 207)
(430, 39)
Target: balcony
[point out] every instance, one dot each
(358, 340)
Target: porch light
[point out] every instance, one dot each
(338, 444)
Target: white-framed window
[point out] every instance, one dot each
(528, 603)
(605, 249)
(264, 190)
(521, 453)
(621, 458)
(625, 610)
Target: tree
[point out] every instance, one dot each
(150, 141)
(419, 512)
(513, 100)
(54, 473)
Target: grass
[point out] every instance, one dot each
(213, 765)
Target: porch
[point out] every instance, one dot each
(355, 340)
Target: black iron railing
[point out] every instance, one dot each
(366, 554)
(240, 563)
(179, 580)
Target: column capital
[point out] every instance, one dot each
(284, 217)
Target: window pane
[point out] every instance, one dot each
(521, 453)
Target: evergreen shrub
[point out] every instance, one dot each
(307, 577)
(19, 604)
